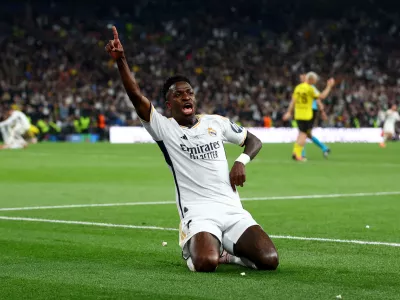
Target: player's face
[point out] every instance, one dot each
(394, 107)
(181, 100)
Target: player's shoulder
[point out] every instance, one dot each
(302, 86)
(207, 117)
(213, 120)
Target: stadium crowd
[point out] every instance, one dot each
(244, 60)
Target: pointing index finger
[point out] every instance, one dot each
(115, 32)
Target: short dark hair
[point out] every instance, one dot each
(172, 80)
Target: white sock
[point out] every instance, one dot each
(227, 258)
(190, 264)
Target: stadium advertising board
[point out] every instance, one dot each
(131, 135)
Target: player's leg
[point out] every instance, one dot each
(301, 140)
(17, 133)
(256, 246)
(204, 251)
(247, 242)
(6, 134)
(303, 153)
(201, 244)
(321, 145)
(386, 136)
(315, 140)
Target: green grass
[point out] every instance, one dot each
(68, 261)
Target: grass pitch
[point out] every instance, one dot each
(47, 260)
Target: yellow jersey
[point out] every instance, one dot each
(304, 95)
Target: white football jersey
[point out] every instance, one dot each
(391, 118)
(196, 158)
(17, 118)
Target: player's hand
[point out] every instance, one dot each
(324, 116)
(237, 176)
(287, 116)
(330, 82)
(114, 47)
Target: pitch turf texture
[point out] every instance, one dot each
(42, 260)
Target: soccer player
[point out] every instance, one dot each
(392, 116)
(13, 129)
(315, 140)
(212, 217)
(303, 96)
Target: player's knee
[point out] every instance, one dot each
(268, 261)
(205, 262)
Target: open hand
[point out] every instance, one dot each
(237, 176)
(114, 47)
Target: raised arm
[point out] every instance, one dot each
(140, 102)
(329, 85)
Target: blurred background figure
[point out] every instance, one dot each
(392, 116)
(14, 128)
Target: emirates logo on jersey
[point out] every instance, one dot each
(207, 151)
(212, 132)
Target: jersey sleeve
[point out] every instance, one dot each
(232, 132)
(156, 126)
(315, 93)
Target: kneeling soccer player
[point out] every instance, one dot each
(212, 217)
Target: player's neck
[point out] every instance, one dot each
(188, 121)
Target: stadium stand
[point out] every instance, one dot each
(243, 58)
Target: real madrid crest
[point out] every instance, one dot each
(212, 132)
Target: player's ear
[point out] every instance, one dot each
(168, 104)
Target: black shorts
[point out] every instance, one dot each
(305, 126)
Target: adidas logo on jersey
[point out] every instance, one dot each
(184, 137)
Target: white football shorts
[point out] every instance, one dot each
(226, 223)
(389, 129)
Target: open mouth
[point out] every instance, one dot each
(188, 109)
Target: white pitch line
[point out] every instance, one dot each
(270, 198)
(286, 237)
(86, 223)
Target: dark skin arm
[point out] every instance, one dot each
(140, 102)
(252, 146)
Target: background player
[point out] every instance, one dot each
(303, 96)
(391, 117)
(14, 128)
(212, 217)
(315, 119)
